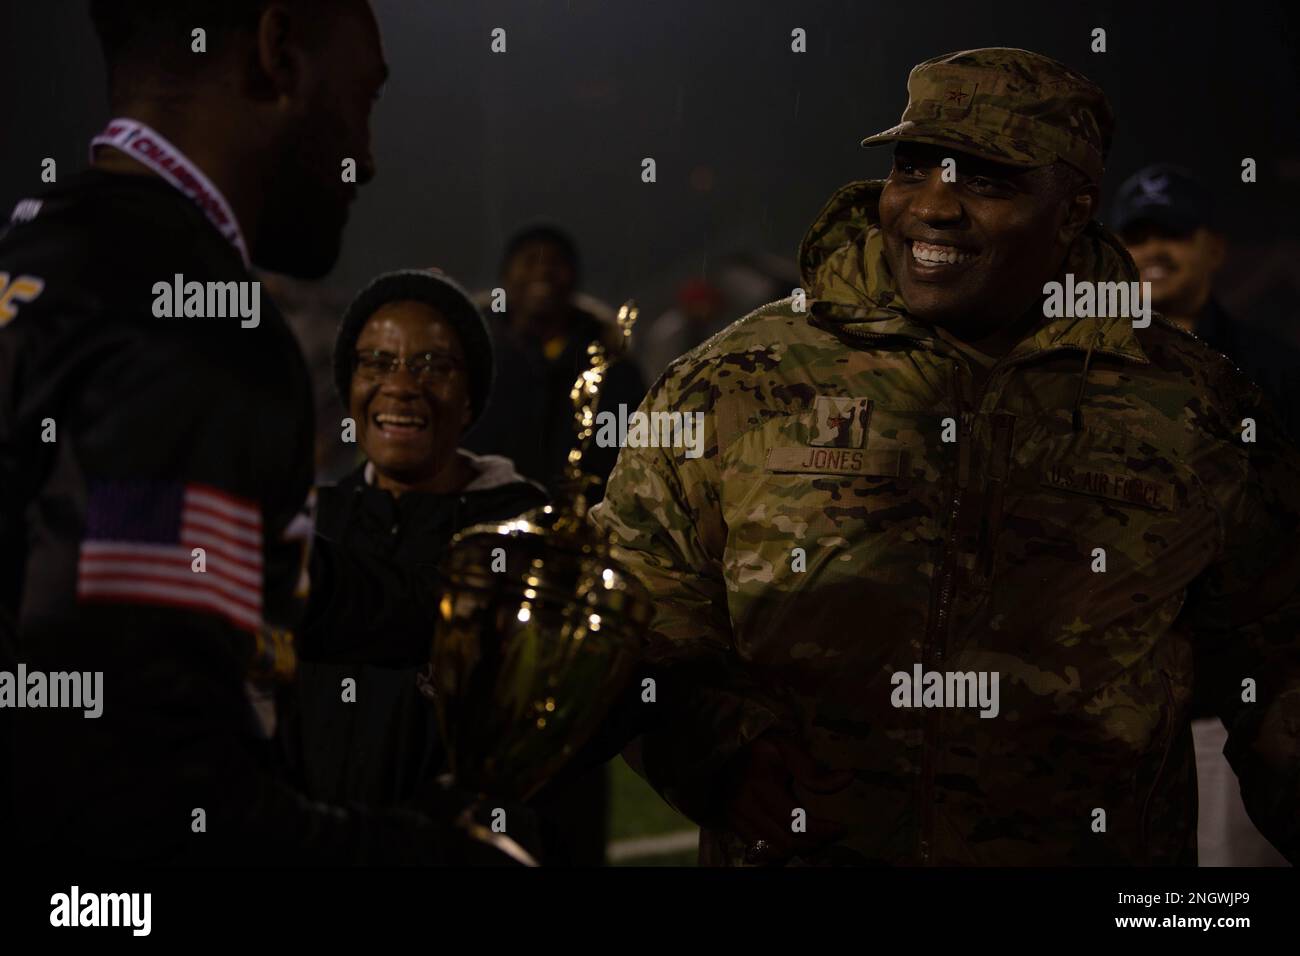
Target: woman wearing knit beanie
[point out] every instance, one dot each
(413, 367)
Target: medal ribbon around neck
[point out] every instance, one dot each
(150, 149)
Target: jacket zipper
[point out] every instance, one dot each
(1144, 822)
(932, 647)
(937, 628)
(932, 650)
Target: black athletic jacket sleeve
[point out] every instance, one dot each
(177, 767)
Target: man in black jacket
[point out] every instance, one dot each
(413, 366)
(1166, 218)
(156, 439)
(541, 349)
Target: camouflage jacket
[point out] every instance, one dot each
(1093, 525)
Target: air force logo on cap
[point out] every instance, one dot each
(1153, 190)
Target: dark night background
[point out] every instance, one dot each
(749, 138)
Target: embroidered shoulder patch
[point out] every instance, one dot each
(840, 422)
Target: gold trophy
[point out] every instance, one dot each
(537, 630)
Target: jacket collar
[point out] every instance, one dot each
(491, 471)
(851, 288)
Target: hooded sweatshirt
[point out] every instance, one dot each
(375, 741)
(981, 611)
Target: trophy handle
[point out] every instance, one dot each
(585, 396)
(499, 841)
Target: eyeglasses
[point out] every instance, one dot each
(427, 367)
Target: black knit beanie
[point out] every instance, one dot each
(433, 289)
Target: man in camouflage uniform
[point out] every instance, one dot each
(1097, 512)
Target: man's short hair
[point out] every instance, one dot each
(545, 233)
(154, 37)
(149, 43)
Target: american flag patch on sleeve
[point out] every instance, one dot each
(140, 541)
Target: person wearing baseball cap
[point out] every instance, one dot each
(921, 475)
(413, 368)
(1166, 216)
(1024, 140)
(1007, 106)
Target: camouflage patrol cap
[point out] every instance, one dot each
(1006, 105)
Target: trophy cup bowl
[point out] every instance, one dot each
(537, 629)
(529, 657)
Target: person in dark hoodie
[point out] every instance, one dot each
(413, 365)
(541, 348)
